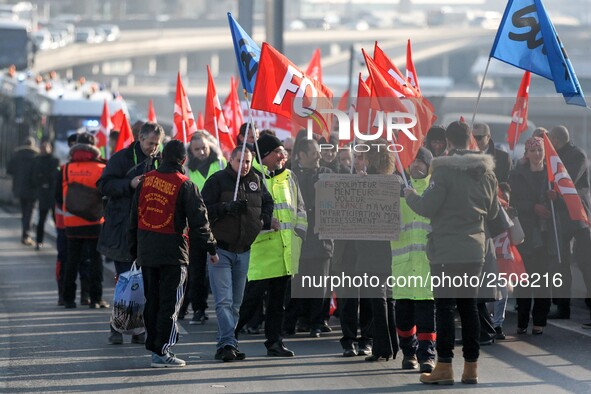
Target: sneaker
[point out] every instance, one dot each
(227, 353)
(116, 338)
(364, 350)
(101, 304)
(140, 339)
(168, 360)
(325, 327)
(27, 241)
(586, 326)
(499, 333)
(198, 317)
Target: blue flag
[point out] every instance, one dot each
(247, 54)
(526, 39)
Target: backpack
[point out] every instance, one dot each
(83, 201)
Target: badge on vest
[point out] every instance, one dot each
(253, 186)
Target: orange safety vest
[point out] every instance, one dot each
(85, 173)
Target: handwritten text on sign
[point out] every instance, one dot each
(355, 207)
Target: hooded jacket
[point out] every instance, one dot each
(461, 197)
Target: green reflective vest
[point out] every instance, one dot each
(277, 253)
(197, 177)
(410, 266)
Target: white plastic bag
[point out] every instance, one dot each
(128, 303)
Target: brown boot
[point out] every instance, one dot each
(442, 374)
(470, 375)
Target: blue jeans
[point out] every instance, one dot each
(227, 279)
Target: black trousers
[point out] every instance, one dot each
(197, 283)
(416, 328)
(27, 205)
(41, 224)
(356, 313)
(385, 339)
(253, 293)
(304, 302)
(164, 288)
(535, 263)
(446, 301)
(80, 249)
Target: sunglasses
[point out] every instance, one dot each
(479, 137)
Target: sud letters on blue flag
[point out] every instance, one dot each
(247, 54)
(527, 39)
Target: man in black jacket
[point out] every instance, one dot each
(23, 184)
(503, 165)
(577, 166)
(236, 222)
(118, 182)
(165, 207)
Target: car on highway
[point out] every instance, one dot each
(112, 32)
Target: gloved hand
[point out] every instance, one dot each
(552, 195)
(541, 211)
(236, 208)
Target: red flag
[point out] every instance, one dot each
(411, 137)
(314, 69)
(117, 119)
(411, 72)
(151, 112)
(519, 115)
(362, 105)
(393, 75)
(232, 109)
(384, 96)
(509, 260)
(200, 121)
(125, 135)
(472, 144)
(102, 136)
(563, 184)
(343, 101)
(281, 88)
(215, 122)
(183, 122)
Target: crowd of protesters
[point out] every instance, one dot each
(243, 228)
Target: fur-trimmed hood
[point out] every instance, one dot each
(84, 152)
(475, 164)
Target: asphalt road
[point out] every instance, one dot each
(44, 348)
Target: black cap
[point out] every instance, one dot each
(268, 143)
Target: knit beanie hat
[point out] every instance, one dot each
(268, 143)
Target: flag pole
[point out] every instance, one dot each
(241, 162)
(555, 229)
(217, 136)
(515, 144)
(480, 92)
(256, 144)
